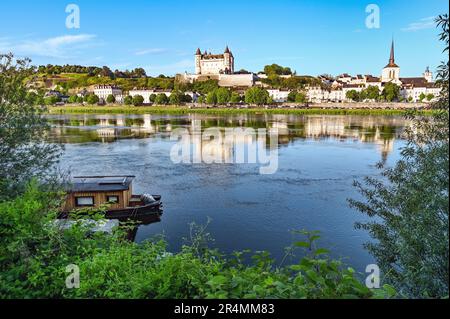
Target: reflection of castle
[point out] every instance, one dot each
(379, 131)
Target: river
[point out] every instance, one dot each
(318, 157)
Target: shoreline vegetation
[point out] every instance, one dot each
(120, 109)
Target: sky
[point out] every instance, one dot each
(310, 36)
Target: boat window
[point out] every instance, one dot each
(112, 199)
(84, 201)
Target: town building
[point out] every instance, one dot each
(279, 96)
(103, 91)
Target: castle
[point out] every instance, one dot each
(218, 67)
(210, 64)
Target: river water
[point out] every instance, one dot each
(318, 157)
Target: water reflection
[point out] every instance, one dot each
(382, 131)
(319, 158)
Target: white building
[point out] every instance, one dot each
(103, 91)
(279, 96)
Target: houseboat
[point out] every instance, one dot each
(114, 191)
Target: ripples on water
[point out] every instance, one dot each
(319, 158)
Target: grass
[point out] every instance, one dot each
(184, 110)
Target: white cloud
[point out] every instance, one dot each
(56, 47)
(422, 24)
(151, 51)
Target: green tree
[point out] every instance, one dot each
(408, 209)
(430, 97)
(353, 95)
(292, 96)
(25, 151)
(175, 98)
(372, 92)
(92, 99)
(52, 100)
(211, 97)
(223, 96)
(257, 95)
(138, 100)
(152, 98)
(161, 99)
(391, 92)
(73, 99)
(235, 98)
(300, 98)
(111, 99)
(276, 69)
(128, 100)
(422, 97)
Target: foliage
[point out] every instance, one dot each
(253, 110)
(211, 98)
(138, 100)
(161, 99)
(409, 207)
(223, 96)
(235, 98)
(128, 100)
(24, 151)
(276, 69)
(92, 99)
(111, 99)
(257, 96)
(391, 92)
(35, 254)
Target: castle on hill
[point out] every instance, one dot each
(208, 63)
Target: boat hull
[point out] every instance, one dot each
(136, 212)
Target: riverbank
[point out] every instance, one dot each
(120, 109)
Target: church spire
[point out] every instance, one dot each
(392, 57)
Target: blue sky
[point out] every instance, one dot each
(310, 36)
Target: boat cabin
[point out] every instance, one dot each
(114, 191)
(94, 191)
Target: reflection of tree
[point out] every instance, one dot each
(366, 129)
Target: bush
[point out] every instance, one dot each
(111, 99)
(138, 100)
(92, 99)
(161, 99)
(111, 267)
(128, 100)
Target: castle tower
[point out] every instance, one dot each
(428, 75)
(391, 72)
(228, 61)
(198, 59)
